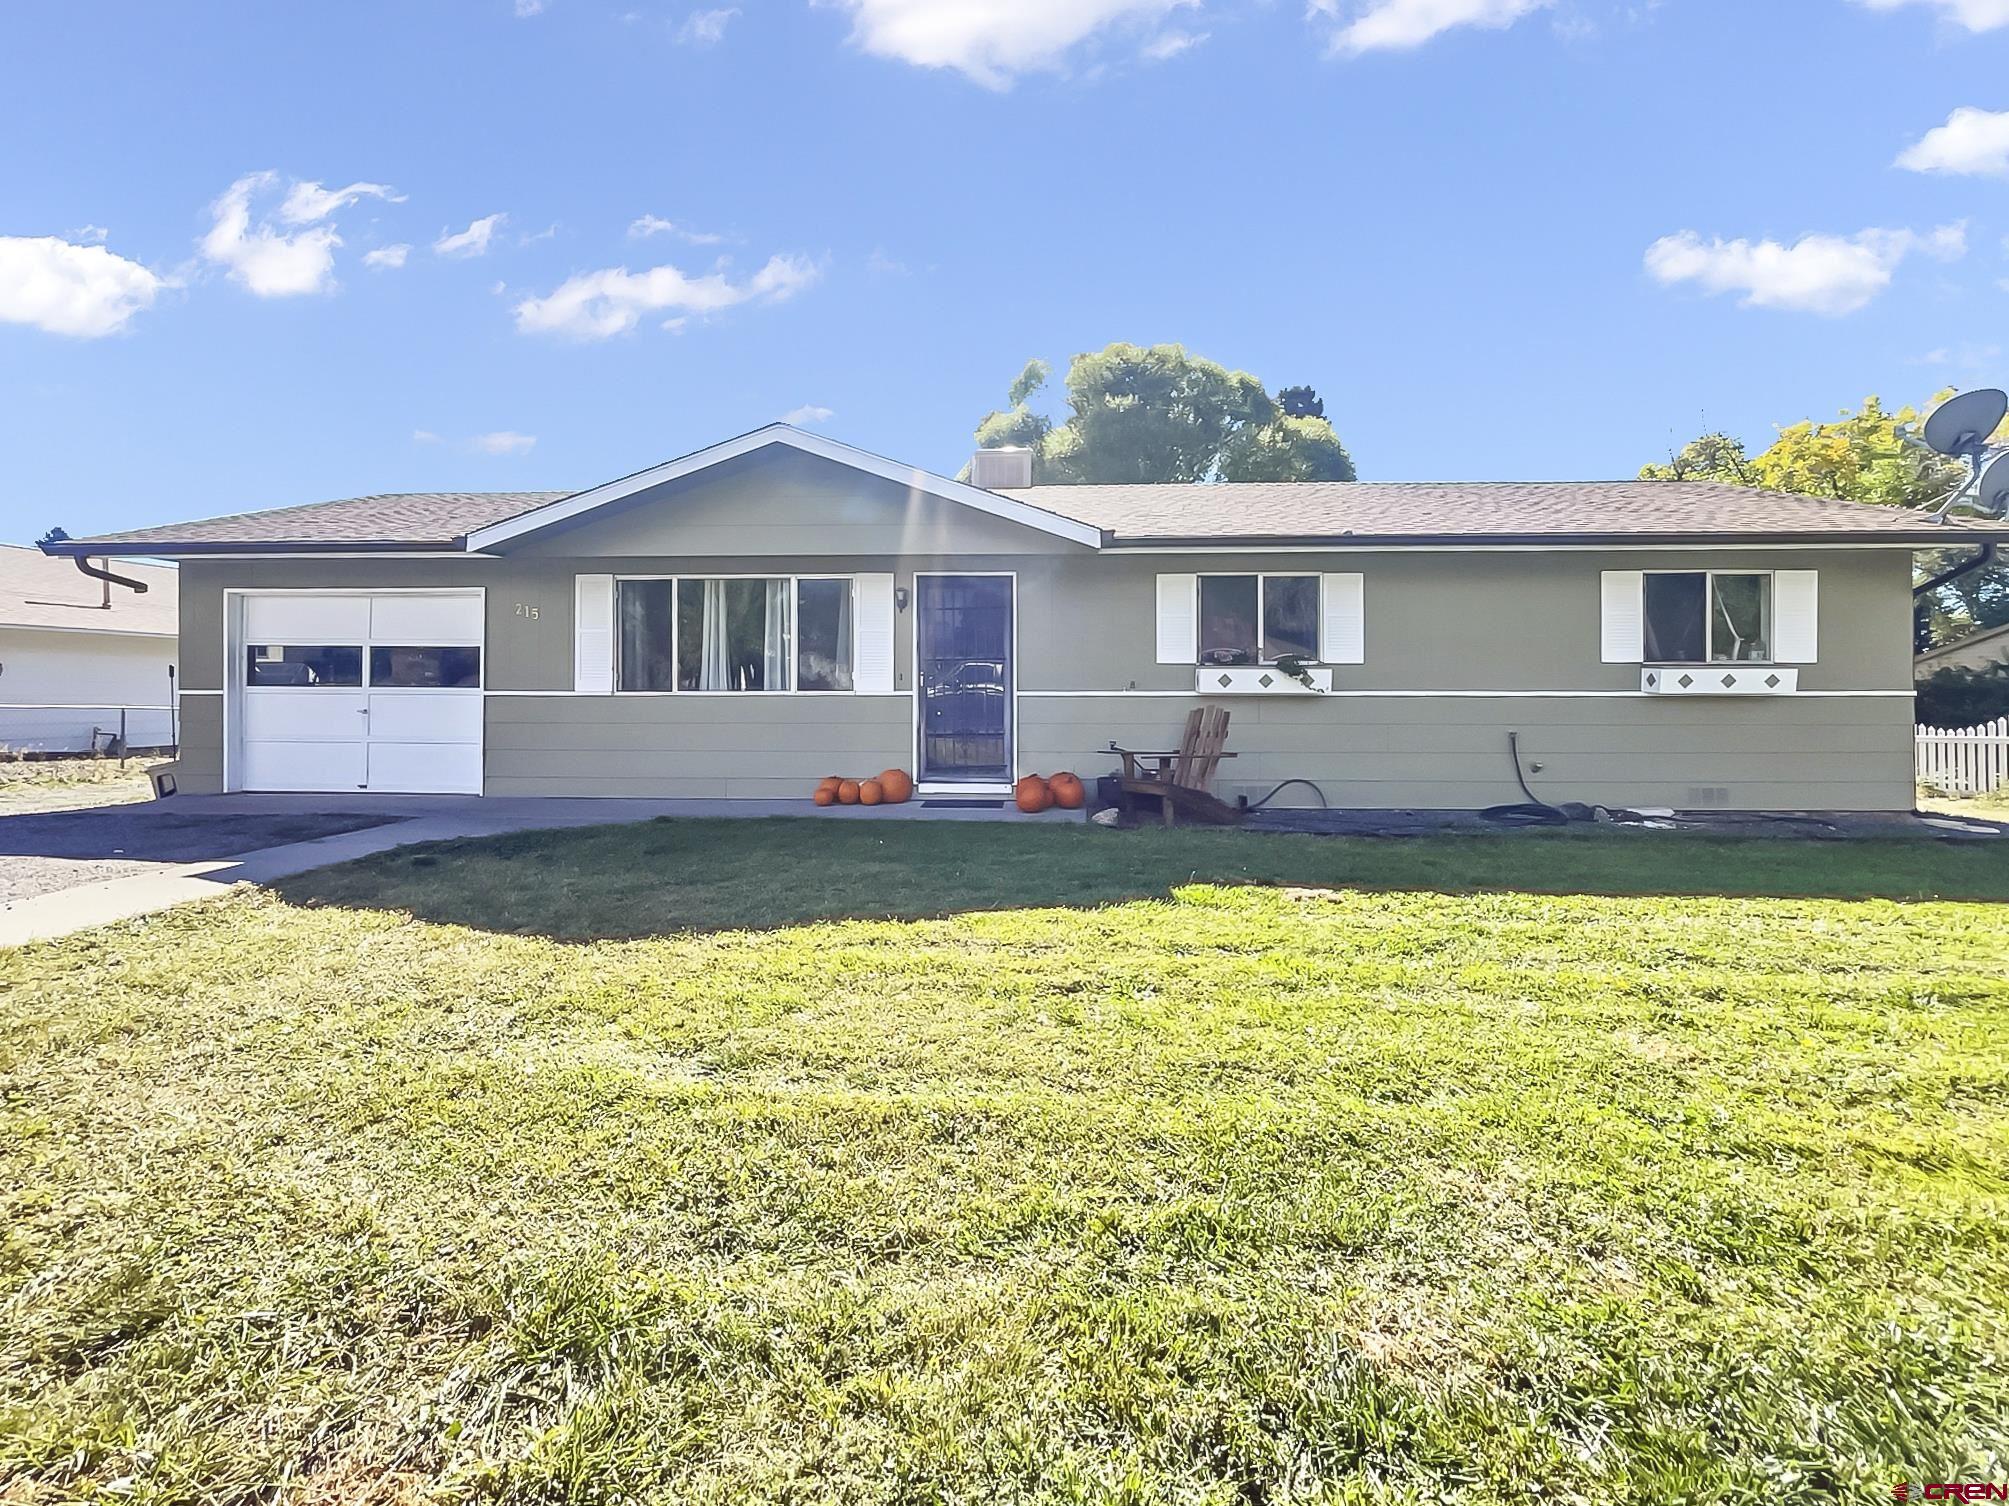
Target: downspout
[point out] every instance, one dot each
(98, 572)
(1984, 555)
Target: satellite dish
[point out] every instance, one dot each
(1992, 494)
(1961, 425)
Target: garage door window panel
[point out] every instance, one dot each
(304, 666)
(396, 667)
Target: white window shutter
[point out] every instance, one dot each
(1624, 616)
(872, 635)
(1796, 616)
(1342, 619)
(1178, 619)
(593, 634)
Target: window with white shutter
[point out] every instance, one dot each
(593, 634)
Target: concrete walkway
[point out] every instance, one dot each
(413, 818)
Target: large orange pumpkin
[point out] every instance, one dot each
(1032, 794)
(897, 785)
(824, 796)
(1067, 791)
(871, 792)
(847, 792)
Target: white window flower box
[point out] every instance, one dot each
(1719, 679)
(1258, 679)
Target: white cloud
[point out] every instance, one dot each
(1817, 274)
(706, 28)
(991, 41)
(472, 241)
(596, 305)
(269, 262)
(525, 9)
(386, 256)
(879, 264)
(310, 203)
(650, 224)
(1392, 25)
(808, 413)
(67, 289)
(424, 436)
(1975, 15)
(1169, 44)
(92, 234)
(503, 442)
(1971, 142)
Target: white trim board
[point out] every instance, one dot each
(580, 503)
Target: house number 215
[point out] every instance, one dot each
(526, 609)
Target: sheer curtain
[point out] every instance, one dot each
(774, 641)
(715, 666)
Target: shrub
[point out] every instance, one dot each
(1963, 697)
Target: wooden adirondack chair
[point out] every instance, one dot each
(1181, 777)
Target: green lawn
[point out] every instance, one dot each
(1114, 1167)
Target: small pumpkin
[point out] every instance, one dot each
(1032, 794)
(871, 792)
(830, 782)
(1067, 790)
(847, 792)
(897, 785)
(824, 796)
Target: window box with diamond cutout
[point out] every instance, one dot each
(1259, 679)
(1719, 679)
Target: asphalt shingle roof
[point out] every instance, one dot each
(38, 591)
(1401, 510)
(416, 518)
(1357, 512)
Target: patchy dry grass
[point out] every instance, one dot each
(40, 784)
(1157, 1167)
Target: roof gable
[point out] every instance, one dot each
(1014, 509)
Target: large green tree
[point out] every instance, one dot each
(1157, 413)
(1867, 454)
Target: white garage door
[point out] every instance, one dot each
(377, 692)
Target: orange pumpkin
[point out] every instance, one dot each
(847, 792)
(871, 792)
(824, 796)
(1032, 794)
(897, 785)
(1067, 791)
(830, 782)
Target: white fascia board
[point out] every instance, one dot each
(913, 477)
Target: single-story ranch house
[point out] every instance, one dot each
(754, 616)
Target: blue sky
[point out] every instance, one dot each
(1504, 239)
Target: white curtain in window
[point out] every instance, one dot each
(844, 637)
(774, 643)
(715, 664)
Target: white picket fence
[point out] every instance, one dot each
(1965, 760)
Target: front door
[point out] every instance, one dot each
(963, 658)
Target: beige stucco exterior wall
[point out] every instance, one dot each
(1462, 647)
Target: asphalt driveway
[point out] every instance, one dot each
(44, 852)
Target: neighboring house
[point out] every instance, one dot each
(75, 651)
(1975, 651)
(780, 607)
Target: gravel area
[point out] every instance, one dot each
(41, 853)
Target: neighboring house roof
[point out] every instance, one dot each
(1989, 646)
(1353, 513)
(37, 591)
